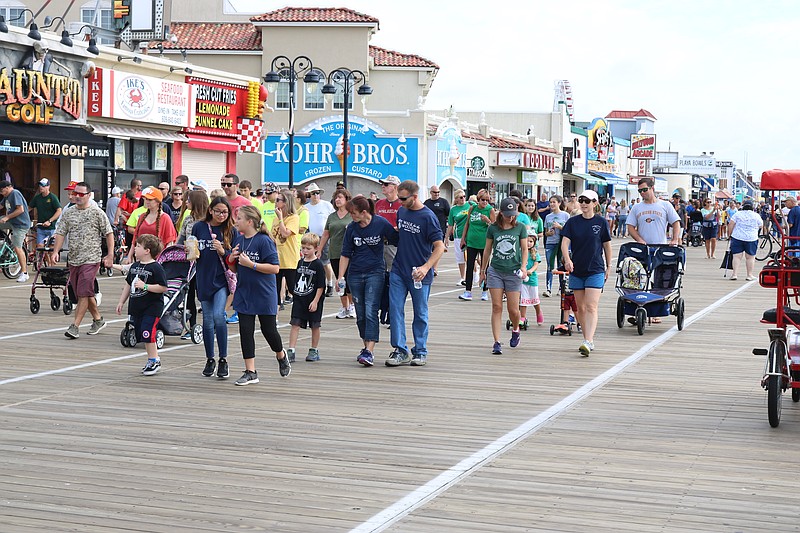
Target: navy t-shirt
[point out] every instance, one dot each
(256, 292)
(364, 246)
(148, 303)
(587, 236)
(794, 219)
(417, 231)
(210, 274)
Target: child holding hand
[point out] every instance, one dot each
(530, 287)
(309, 291)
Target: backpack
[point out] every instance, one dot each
(634, 275)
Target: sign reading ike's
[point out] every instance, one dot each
(127, 96)
(373, 154)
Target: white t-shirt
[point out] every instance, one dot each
(651, 220)
(748, 225)
(318, 215)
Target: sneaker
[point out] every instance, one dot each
(342, 313)
(186, 336)
(313, 355)
(514, 342)
(571, 319)
(98, 298)
(152, 367)
(397, 358)
(484, 296)
(222, 369)
(233, 319)
(248, 378)
(734, 278)
(497, 348)
(284, 366)
(462, 283)
(23, 277)
(329, 291)
(466, 296)
(208, 371)
(288, 299)
(750, 278)
(585, 348)
(546, 293)
(97, 325)
(540, 319)
(366, 358)
(72, 332)
(419, 360)
(291, 353)
(351, 311)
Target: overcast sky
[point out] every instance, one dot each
(718, 75)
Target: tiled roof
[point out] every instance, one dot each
(631, 114)
(213, 36)
(314, 14)
(499, 142)
(390, 58)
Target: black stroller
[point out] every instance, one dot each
(175, 317)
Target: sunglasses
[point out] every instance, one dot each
(227, 184)
(483, 199)
(316, 193)
(460, 197)
(434, 192)
(403, 198)
(584, 200)
(644, 189)
(80, 194)
(572, 196)
(177, 194)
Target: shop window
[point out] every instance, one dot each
(100, 15)
(282, 91)
(315, 99)
(14, 13)
(140, 156)
(338, 98)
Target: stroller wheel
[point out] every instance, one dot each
(34, 305)
(55, 303)
(123, 337)
(197, 334)
(109, 272)
(67, 306)
(641, 317)
(160, 339)
(131, 337)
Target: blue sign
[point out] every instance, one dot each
(373, 154)
(451, 155)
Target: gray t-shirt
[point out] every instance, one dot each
(11, 202)
(651, 220)
(561, 217)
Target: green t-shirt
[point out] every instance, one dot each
(533, 279)
(336, 227)
(458, 217)
(476, 233)
(46, 206)
(523, 219)
(268, 213)
(303, 214)
(507, 246)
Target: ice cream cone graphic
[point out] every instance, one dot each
(340, 157)
(339, 151)
(454, 155)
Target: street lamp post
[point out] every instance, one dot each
(347, 80)
(295, 67)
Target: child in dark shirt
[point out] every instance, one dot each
(309, 291)
(146, 283)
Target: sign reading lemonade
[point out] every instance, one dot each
(373, 154)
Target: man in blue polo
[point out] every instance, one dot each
(420, 245)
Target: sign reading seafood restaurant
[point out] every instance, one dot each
(373, 153)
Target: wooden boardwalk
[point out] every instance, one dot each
(676, 441)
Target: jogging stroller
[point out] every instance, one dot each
(175, 317)
(695, 235)
(649, 280)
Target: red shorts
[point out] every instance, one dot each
(82, 278)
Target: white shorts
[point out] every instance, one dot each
(459, 252)
(529, 295)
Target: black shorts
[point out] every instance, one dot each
(302, 317)
(146, 327)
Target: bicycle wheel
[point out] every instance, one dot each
(764, 247)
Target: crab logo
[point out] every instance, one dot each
(135, 97)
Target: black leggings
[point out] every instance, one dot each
(290, 275)
(191, 304)
(472, 255)
(247, 334)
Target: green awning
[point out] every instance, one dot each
(590, 180)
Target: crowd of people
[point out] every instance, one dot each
(257, 251)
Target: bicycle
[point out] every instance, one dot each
(766, 242)
(9, 262)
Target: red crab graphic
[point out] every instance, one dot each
(136, 97)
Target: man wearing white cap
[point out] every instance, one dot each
(112, 203)
(45, 209)
(318, 212)
(387, 208)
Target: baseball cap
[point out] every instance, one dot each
(71, 186)
(198, 185)
(152, 193)
(340, 184)
(270, 188)
(256, 193)
(508, 207)
(44, 182)
(4, 184)
(390, 180)
(116, 190)
(532, 232)
(590, 194)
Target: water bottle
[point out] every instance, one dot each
(521, 274)
(417, 283)
(341, 286)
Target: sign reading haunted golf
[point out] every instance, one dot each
(373, 154)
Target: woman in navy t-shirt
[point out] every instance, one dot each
(255, 262)
(587, 237)
(362, 259)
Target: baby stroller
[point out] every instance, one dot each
(567, 304)
(695, 235)
(175, 317)
(649, 282)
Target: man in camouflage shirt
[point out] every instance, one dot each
(86, 225)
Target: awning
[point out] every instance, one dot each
(590, 180)
(723, 195)
(707, 184)
(128, 133)
(611, 179)
(211, 142)
(52, 141)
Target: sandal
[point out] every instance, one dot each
(655, 320)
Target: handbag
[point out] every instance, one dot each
(230, 275)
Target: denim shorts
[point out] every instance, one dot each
(592, 281)
(508, 281)
(748, 247)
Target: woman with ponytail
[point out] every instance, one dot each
(155, 221)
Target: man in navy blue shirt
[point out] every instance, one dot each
(420, 245)
(793, 219)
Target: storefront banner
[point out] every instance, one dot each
(601, 142)
(694, 164)
(374, 154)
(538, 161)
(127, 96)
(40, 87)
(451, 155)
(643, 146)
(218, 106)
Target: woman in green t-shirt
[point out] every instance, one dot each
(473, 238)
(456, 220)
(506, 244)
(334, 232)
